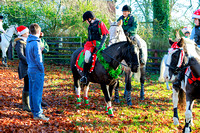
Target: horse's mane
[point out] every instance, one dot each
(191, 48)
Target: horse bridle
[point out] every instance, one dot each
(182, 67)
(8, 35)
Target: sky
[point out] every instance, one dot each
(177, 14)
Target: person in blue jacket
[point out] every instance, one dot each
(35, 71)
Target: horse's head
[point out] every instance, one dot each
(12, 29)
(116, 32)
(177, 59)
(130, 56)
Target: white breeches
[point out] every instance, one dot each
(87, 56)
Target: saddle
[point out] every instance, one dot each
(80, 61)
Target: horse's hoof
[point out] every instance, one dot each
(111, 115)
(117, 100)
(175, 120)
(187, 130)
(141, 98)
(129, 103)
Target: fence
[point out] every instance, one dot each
(61, 49)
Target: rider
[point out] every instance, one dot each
(1, 24)
(195, 35)
(186, 31)
(130, 28)
(97, 35)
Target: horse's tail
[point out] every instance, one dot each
(162, 69)
(182, 100)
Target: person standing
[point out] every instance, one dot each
(35, 71)
(20, 47)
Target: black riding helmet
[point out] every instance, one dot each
(1, 16)
(126, 8)
(87, 15)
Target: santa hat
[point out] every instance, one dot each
(196, 14)
(22, 29)
(186, 29)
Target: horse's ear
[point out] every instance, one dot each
(119, 22)
(110, 21)
(181, 42)
(171, 41)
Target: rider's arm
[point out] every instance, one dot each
(133, 29)
(192, 34)
(104, 32)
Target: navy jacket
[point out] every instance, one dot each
(34, 55)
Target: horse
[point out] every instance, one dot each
(162, 71)
(113, 55)
(187, 55)
(117, 35)
(5, 41)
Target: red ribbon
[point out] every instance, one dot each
(193, 79)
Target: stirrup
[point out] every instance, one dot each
(83, 80)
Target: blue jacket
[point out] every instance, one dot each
(34, 55)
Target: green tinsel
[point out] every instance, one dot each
(113, 73)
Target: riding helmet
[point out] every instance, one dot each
(126, 8)
(1, 16)
(87, 15)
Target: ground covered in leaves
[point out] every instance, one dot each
(154, 114)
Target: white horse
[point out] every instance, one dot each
(117, 35)
(5, 41)
(162, 71)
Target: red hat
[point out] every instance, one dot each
(196, 14)
(22, 29)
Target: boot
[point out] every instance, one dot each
(141, 57)
(25, 101)
(44, 104)
(86, 67)
(177, 83)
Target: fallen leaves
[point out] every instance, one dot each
(154, 114)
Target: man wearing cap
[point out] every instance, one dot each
(97, 35)
(130, 29)
(195, 35)
(1, 24)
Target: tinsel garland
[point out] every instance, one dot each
(112, 72)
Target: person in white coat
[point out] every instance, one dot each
(1, 24)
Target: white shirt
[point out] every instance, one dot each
(1, 27)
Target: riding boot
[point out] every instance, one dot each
(141, 57)
(25, 101)
(86, 67)
(177, 83)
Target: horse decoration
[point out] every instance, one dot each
(5, 41)
(112, 57)
(117, 35)
(162, 71)
(184, 54)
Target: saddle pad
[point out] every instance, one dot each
(80, 61)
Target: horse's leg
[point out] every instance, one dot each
(117, 93)
(175, 104)
(86, 94)
(105, 89)
(191, 122)
(127, 92)
(77, 88)
(188, 114)
(4, 57)
(142, 79)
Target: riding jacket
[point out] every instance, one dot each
(129, 24)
